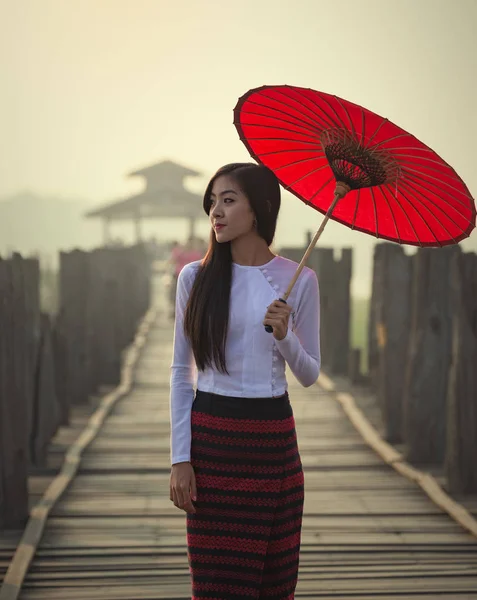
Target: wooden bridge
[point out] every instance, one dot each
(84, 469)
(368, 532)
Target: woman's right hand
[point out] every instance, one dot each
(183, 488)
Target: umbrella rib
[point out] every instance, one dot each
(307, 175)
(342, 124)
(411, 191)
(297, 121)
(282, 129)
(375, 211)
(304, 131)
(351, 124)
(398, 235)
(305, 125)
(391, 139)
(321, 189)
(309, 121)
(329, 117)
(422, 217)
(413, 175)
(387, 187)
(315, 143)
(424, 220)
(299, 101)
(408, 167)
(423, 158)
(378, 128)
(404, 158)
(420, 148)
(288, 150)
(308, 135)
(297, 162)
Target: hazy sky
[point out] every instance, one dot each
(92, 89)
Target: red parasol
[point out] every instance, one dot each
(354, 166)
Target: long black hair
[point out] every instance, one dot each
(207, 313)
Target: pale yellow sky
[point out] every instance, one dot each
(92, 89)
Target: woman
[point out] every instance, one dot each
(236, 468)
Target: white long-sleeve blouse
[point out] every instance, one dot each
(255, 359)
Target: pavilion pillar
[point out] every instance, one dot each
(138, 228)
(191, 227)
(106, 232)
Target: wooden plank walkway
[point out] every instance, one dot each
(367, 532)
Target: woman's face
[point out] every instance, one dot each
(231, 215)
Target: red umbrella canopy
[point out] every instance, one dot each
(400, 189)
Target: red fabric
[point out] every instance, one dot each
(428, 204)
(182, 257)
(179, 259)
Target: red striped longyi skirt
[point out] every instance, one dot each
(244, 539)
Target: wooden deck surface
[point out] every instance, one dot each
(368, 533)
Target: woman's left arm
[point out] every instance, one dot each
(301, 347)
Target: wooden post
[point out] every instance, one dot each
(392, 319)
(323, 264)
(32, 332)
(461, 449)
(427, 372)
(46, 409)
(16, 386)
(354, 365)
(75, 287)
(60, 358)
(375, 300)
(342, 312)
(137, 228)
(335, 283)
(36, 367)
(13, 465)
(334, 277)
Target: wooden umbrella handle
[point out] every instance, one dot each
(341, 190)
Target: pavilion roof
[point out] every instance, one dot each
(158, 204)
(164, 197)
(166, 169)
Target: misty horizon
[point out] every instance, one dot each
(123, 85)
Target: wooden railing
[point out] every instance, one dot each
(48, 363)
(422, 348)
(423, 356)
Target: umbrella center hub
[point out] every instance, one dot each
(356, 165)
